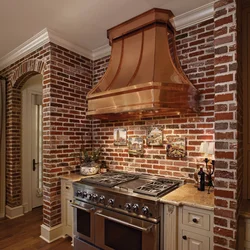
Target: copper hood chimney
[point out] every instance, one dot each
(144, 77)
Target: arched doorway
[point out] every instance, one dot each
(32, 143)
(14, 180)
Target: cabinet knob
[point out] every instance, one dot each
(195, 220)
(184, 237)
(67, 187)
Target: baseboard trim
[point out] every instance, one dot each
(50, 234)
(13, 212)
(25, 208)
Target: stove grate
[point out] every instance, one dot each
(110, 179)
(157, 188)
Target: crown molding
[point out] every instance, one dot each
(100, 52)
(185, 20)
(24, 49)
(57, 39)
(194, 16)
(44, 36)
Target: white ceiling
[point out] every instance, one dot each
(82, 22)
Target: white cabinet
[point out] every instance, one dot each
(194, 241)
(187, 228)
(195, 229)
(67, 210)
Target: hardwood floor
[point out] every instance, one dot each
(23, 234)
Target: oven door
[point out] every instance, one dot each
(84, 221)
(118, 231)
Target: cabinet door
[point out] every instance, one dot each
(67, 210)
(67, 215)
(193, 241)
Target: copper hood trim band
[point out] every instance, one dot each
(142, 86)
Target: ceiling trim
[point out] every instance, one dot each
(57, 39)
(194, 16)
(185, 20)
(101, 52)
(25, 48)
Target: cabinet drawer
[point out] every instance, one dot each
(67, 188)
(196, 218)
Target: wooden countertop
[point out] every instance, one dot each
(72, 177)
(189, 195)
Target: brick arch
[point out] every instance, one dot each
(26, 70)
(18, 77)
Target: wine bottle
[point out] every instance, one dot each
(201, 178)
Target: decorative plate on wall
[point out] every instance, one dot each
(176, 147)
(154, 136)
(135, 145)
(120, 137)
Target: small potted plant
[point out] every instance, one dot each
(89, 161)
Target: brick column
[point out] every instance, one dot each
(66, 84)
(227, 192)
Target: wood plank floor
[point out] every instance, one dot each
(23, 234)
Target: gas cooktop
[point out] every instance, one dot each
(110, 179)
(137, 183)
(133, 194)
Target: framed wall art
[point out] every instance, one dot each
(154, 136)
(176, 147)
(135, 145)
(120, 137)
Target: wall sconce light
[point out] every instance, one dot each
(208, 149)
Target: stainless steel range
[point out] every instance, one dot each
(120, 211)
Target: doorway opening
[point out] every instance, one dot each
(32, 166)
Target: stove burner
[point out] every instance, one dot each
(110, 179)
(157, 188)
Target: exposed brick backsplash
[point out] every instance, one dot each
(207, 53)
(197, 62)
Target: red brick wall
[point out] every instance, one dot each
(228, 127)
(196, 52)
(207, 52)
(67, 77)
(99, 68)
(64, 101)
(19, 74)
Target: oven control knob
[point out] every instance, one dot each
(84, 194)
(95, 196)
(102, 199)
(79, 193)
(135, 208)
(111, 202)
(128, 206)
(145, 210)
(90, 196)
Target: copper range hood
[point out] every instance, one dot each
(144, 77)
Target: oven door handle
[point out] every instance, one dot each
(143, 229)
(89, 210)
